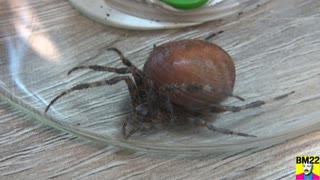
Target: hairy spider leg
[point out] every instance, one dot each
(169, 108)
(131, 132)
(228, 131)
(223, 108)
(125, 70)
(136, 125)
(218, 107)
(131, 86)
(152, 101)
(124, 60)
(222, 130)
(136, 95)
(137, 73)
(102, 68)
(213, 35)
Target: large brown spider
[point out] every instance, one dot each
(181, 80)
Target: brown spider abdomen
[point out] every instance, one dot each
(194, 73)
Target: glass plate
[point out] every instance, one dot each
(140, 15)
(275, 51)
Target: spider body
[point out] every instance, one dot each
(180, 80)
(193, 73)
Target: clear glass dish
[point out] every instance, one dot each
(274, 54)
(153, 14)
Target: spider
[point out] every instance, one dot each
(181, 80)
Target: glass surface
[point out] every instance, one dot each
(160, 11)
(274, 54)
(154, 14)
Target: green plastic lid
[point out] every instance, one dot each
(185, 4)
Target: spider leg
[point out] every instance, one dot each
(102, 68)
(169, 108)
(131, 132)
(152, 102)
(228, 131)
(136, 124)
(136, 73)
(212, 35)
(222, 130)
(125, 61)
(131, 86)
(223, 108)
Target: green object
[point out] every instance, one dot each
(185, 4)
